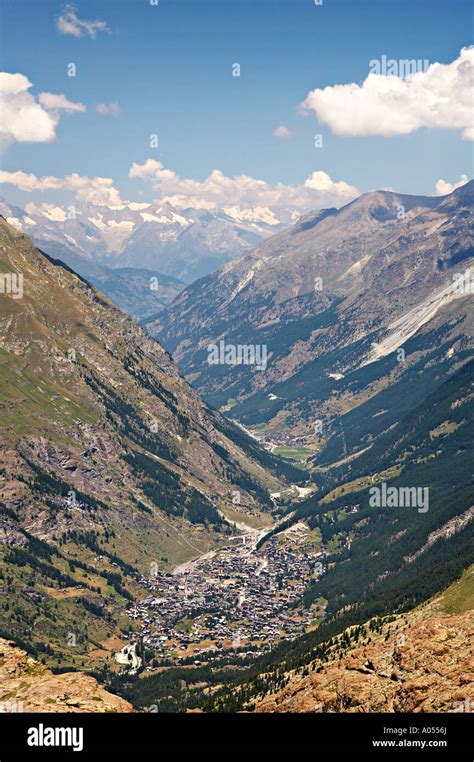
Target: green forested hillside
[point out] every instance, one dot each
(385, 558)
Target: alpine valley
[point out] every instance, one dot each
(302, 539)
(111, 466)
(333, 299)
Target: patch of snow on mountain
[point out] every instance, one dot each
(164, 219)
(257, 214)
(146, 217)
(125, 224)
(98, 221)
(135, 206)
(180, 220)
(15, 222)
(54, 213)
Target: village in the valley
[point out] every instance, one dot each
(230, 602)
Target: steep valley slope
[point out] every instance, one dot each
(362, 310)
(110, 463)
(377, 561)
(418, 662)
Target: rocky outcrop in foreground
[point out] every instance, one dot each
(424, 665)
(27, 686)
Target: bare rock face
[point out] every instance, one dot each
(416, 664)
(27, 686)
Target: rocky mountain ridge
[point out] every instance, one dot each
(28, 686)
(333, 299)
(178, 242)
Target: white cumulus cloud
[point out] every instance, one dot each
(442, 188)
(69, 23)
(25, 119)
(22, 118)
(440, 97)
(52, 102)
(218, 190)
(95, 190)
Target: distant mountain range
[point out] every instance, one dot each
(140, 292)
(182, 243)
(362, 310)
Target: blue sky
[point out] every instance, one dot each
(169, 69)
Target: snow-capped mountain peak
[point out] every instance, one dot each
(165, 235)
